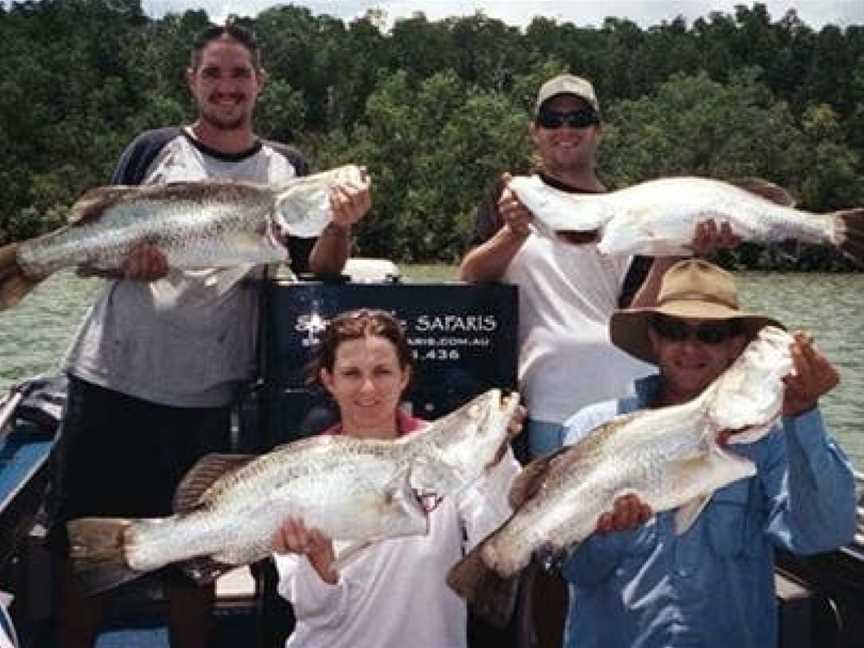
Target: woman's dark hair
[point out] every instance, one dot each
(228, 30)
(355, 325)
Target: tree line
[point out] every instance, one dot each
(437, 109)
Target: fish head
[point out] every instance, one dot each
(748, 396)
(560, 211)
(456, 449)
(300, 210)
(302, 205)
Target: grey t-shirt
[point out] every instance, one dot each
(182, 340)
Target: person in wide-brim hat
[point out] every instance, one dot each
(693, 289)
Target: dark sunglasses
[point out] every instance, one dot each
(675, 330)
(574, 118)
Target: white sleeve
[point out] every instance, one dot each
(485, 505)
(315, 602)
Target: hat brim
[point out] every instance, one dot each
(628, 329)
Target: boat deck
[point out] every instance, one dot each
(822, 597)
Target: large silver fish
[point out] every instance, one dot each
(669, 457)
(351, 489)
(209, 224)
(659, 217)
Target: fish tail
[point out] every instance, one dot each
(14, 284)
(98, 549)
(849, 233)
(492, 597)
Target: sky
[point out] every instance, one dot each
(815, 13)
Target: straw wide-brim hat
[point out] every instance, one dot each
(692, 288)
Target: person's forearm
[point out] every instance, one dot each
(489, 261)
(819, 503)
(650, 288)
(331, 250)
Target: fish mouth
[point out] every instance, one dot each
(738, 436)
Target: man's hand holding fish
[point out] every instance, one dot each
(813, 376)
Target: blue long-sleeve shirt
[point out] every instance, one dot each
(713, 586)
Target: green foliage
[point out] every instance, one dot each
(280, 111)
(438, 109)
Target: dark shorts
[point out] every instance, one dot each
(120, 456)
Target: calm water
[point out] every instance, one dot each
(34, 334)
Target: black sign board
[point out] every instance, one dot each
(463, 337)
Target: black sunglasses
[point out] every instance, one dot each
(582, 118)
(675, 330)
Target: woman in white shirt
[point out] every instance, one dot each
(393, 594)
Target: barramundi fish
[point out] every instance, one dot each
(205, 224)
(659, 217)
(670, 457)
(228, 506)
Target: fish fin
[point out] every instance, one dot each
(530, 479)
(202, 476)
(351, 553)
(9, 259)
(712, 471)
(686, 515)
(318, 439)
(205, 570)
(430, 477)
(90, 206)
(491, 597)
(97, 548)
(768, 190)
(14, 284)
(499, 453)
(848, 234)
(403, 495)
(226, 278)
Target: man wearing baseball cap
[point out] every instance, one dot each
(567, 290)
(642, 584)
(565, 129)
(568, 84)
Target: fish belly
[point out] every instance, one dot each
(190, 235)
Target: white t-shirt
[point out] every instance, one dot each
(182, 340)
(394, 594)
(567, 293)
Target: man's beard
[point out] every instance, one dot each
(572, 163)
(214, 119)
